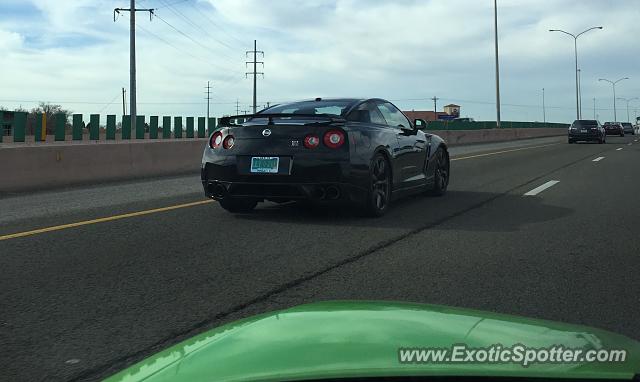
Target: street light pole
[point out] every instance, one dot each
(495, 25)
(575, 50)
(613, 84)
(627, 100)
(544, 111)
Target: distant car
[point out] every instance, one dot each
(628, 128)
(359, 151)
(614, 128)
(464, 119)
(586, 130)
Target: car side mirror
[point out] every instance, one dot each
(420, 124)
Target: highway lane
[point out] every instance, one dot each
(81, 303)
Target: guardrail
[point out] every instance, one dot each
(60, 129)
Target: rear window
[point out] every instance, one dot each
(585, 123)
(336, 107)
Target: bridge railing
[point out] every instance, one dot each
(60, 127)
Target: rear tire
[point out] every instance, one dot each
(441, 173)
(238, 205)
(379, 195)
(570, 141)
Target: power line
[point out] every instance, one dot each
(172, 4)
(223, 30)
(226, 78)
(192, 39)
(196, 26)
(255, 73)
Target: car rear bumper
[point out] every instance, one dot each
(585, 137)
(614, 132)
(326, 181)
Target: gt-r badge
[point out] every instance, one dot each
(266, 132)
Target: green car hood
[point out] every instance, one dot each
(337, 339)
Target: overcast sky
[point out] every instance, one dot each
(71, 52)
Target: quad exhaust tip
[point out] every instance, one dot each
(332, 193)
(218, 190)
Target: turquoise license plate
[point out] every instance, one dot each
(264, 165)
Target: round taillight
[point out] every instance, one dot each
(216, 140)
(311, 141)
(228, 142)
(334, 138)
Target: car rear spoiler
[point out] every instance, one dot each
(232, 120)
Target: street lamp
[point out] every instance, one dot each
(575, 49)
(613, 84)
(627, 100)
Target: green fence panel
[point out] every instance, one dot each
(19, 126)
(177, 127)
(190, 129)
(166, 127)
(37, 127)
(60, 122)
(111, 127)
(76, 127)
(140, 127)
(153, 127)
(126, 127)
(94, 127)
(201, 129)
(211, 125)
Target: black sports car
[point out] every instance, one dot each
(362, 151)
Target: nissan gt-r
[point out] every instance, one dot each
(359, 151)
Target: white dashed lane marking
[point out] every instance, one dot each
(598, 159)
(541, 188)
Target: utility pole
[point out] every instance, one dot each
(208, 92)
(237, 107)
(255, 73)
(594, 108)
(124, 102)
(245, 112)
(435, 107)
(132, 54)
(495, 25)
(544, 110)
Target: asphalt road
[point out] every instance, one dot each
(81, 302)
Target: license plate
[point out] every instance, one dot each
(583, 131)
(262, 165)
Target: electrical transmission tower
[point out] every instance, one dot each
(255, 73)
(132, 54)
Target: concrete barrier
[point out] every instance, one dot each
(461, 137)
(49, 165)
(27, 167)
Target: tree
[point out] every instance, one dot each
(49, 110)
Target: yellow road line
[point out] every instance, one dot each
(504, 151)
(101, 220)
